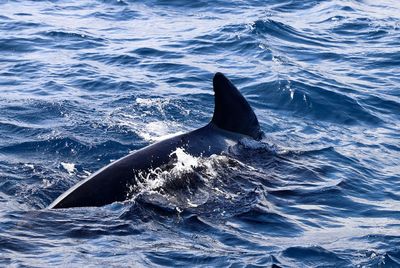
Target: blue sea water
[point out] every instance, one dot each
(83, 83)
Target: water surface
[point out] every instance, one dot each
(83, 83)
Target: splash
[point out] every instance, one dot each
(185, 162)
(190, 182)
(184, 171)
(69, 167)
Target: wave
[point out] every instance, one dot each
(85, 83)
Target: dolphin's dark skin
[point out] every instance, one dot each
(233, 119)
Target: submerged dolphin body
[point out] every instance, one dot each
(233, 120)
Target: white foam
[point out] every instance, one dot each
(87, 173)
(31, 166)
(69, 167)
(158, 130)
(46, 183)
(265, 144)
(185, 162)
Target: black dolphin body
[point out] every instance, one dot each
(233, 119)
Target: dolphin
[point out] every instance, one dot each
(233, 120)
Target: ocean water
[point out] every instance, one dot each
(83, 83)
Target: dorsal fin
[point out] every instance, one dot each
(232, 112)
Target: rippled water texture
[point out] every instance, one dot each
(86, 82)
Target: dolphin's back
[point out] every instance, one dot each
(112, 183)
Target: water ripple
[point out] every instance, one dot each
(84, 83)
